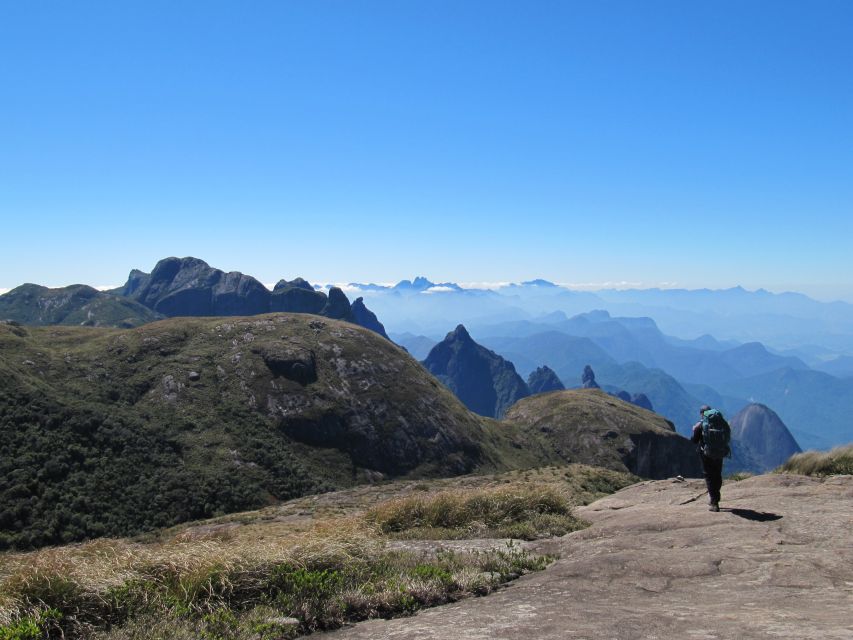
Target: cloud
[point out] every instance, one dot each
(439, 289)
(107, 287)
(484, 285)
(346, 288)
(592, 286)
(2, 291)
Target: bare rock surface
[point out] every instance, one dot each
(776, 562)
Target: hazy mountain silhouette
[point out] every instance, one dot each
(543, 379)
(485, 382)
(761, 434)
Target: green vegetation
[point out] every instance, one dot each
(263, 581)
(107, 432)
(76, 305)
(593, 427)
(76, 470)
(838, 461)
(525, 513)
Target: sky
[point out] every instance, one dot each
(690, 144)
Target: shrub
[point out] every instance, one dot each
(32, 627)
(525, 513)
(838, 461)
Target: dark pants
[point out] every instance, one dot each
(713, 470)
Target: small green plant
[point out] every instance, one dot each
(429, 572)
(34, 627)
(219, 625)
(311, 596)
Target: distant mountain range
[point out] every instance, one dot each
(808, 380)
(676, 375)
(813, 330)
(178, 287)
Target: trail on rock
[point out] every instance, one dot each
(776, 562)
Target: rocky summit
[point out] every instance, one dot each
(543, 379)
(588, 378)
(760, 435)
(593, 427)
(484, 382)
(191, 287)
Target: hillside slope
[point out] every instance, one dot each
(593, 427)
(109, 432)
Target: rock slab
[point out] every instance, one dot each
(776, 562)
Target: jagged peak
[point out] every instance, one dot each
(460, 333)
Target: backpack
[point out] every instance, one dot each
(716, 435)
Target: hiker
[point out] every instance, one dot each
(712, 434)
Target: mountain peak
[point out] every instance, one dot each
(485, 382)
(460, 333)
(420, 283)
(761, 432)
(544, 379)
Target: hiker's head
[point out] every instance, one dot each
(703, 409)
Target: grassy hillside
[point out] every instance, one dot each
(111, 432)
(593, 427)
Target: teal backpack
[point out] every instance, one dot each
(716, 435)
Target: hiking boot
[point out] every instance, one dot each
(714, 507)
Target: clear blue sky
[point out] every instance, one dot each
(707, 144)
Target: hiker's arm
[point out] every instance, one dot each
(697, 432)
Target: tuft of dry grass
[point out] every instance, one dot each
(250, 582)
(838, 461)
(523, 512)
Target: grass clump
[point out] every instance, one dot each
(838, 461)
(525, 513)
(251, 585)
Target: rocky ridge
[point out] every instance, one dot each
(191, 287)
